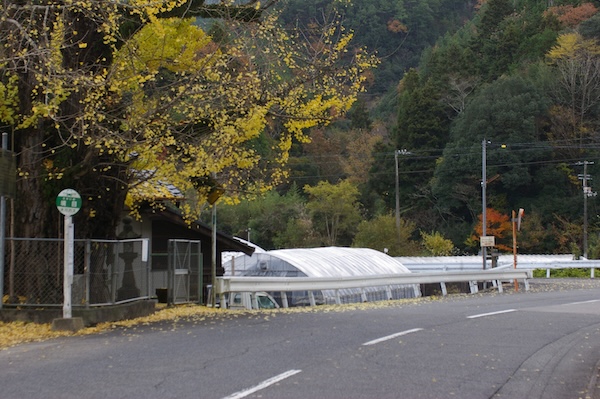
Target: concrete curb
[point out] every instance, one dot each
(73, 324)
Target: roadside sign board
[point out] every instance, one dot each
(487, 241)
(68, 202)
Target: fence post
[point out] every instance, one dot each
(114, 274)
(3, 221)
(170, 272)
(87, 270)
(200, 274)
(148, 259)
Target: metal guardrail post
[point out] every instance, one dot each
(311, 298)
(444, 289)
(363, 295)
(417, 290)
(473, 286)
(284, 300)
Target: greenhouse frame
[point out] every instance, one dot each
(325, 262)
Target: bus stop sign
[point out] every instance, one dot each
(68, 202)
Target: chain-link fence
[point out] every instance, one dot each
(105, 272)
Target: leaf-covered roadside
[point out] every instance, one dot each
(19, 332)
(15, 333)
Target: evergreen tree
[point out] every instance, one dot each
(422, 131)
(507, 114)
(492, 56)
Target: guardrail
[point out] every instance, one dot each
(528, 262)
(575, 264)
(288, 284)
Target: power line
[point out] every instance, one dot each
(428, 154)
(450, 169)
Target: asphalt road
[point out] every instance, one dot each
(539, 344)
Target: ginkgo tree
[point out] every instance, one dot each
(118, 99)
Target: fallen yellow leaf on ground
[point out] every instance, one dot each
(15, 333)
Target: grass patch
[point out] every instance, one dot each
(563, 273)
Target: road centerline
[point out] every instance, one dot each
(388, 337)
(263, 385)
(475, 316)
(581, 302)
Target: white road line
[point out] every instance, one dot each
(579, 303)
(263, 385)
(491, 314)
(378, 340)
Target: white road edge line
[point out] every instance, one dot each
(491, 314)
(378, 340)
(263, 385)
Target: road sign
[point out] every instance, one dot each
(68, 202)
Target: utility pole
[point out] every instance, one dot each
(397, 193)
(213, 196)
(483, 199)
(516, 225)
(396, 153)
(587, 192)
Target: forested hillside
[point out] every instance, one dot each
(323, 122)
(521, 77)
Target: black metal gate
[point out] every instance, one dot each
(184, 277)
